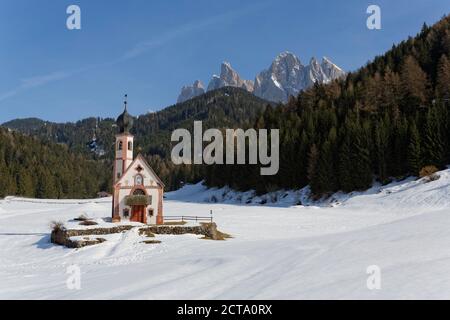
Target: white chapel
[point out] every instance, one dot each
(137, 190)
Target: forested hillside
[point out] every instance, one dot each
(387, 120)
(33, 168)
(223, 108)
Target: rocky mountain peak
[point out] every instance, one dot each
(188, 92)
(285, 76)
(331, 70)
(287, 58)
(229, 77)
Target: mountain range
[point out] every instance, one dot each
(285, 77)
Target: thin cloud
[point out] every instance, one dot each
(41, 80)
(8, 94)
(34, 82)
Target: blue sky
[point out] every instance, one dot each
(149, 49)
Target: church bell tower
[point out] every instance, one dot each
(124, 144)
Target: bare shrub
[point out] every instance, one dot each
(429, 173)
(56, 225)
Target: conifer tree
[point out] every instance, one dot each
(443, 78)
(361, 173)
(414, 156)
(345, 165)
(433, 147)
(325, 181)
(313, 157)
(25, 185)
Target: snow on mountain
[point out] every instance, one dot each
(281, 79)
(285, 77)
(330, 70)
(189, 92)
(320, 251)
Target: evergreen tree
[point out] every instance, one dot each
(24, 182)
(313, 157)
(414, 157)
(345, 174)
(325, 180)
(433, 148)
(6, 183)
(361, 173)
(443, 78)
(380, 149)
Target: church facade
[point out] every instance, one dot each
(137, 190)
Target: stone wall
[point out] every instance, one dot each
(209, 230)
(62, 236)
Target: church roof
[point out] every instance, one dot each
(125, 120)
(140, 157)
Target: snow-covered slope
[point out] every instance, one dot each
(279, 250)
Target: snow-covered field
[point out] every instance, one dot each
(280, 250)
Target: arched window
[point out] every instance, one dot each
(130, 145)
(139, 192)
(139, 180)
(119, 145)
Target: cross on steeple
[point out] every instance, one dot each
(126, 102)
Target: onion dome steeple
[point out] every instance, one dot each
(125, 120)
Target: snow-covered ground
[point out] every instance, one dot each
(280, 250)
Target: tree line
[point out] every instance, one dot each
(32, 168)
(82, 173)
(387, 120)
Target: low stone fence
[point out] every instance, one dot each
(62, 236)
(209, 230)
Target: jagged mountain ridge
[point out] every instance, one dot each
(188, 92)
(285, 77)
(229, 78)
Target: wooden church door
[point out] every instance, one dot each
(138, 214)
